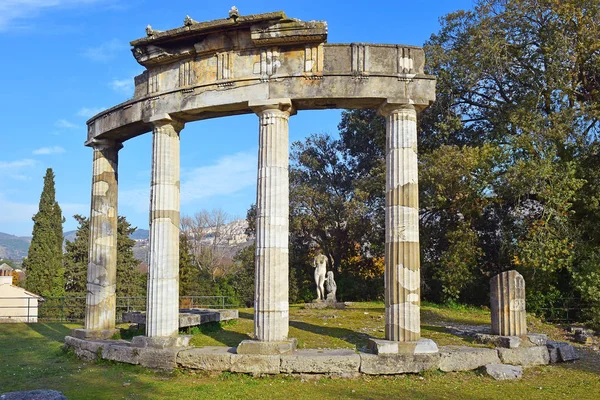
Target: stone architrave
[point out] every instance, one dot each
(402, 258)
(163, 270)
(271, 306)
(507, 295)
(100, 310)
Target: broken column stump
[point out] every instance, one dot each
(507, 295)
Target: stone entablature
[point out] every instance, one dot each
(213, 69)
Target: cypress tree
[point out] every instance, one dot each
(76, 258)
(44, 264)
(130, 281)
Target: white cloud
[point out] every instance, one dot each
(13, 12)
(88, 112)
(14, 169)
(229, 175)
(105, 51)
(124, 86)
(49, 150)
(63, 123)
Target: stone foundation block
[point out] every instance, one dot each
(464, 358)
(161, 342)
(321, 362)
(525, 356)
(89, 334)
(382, 346)
(538, 339)
(121, 353)
(255, 364)
(501, 372)
(509, 342)
(86, 350)
(158, 358)
(390, 364)
(209, 358)
(267, 348)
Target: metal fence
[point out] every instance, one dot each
(72, 308)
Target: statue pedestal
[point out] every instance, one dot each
(319, 305)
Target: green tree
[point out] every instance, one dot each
(517, 106)
(76, 258)
(329, 208)
(130, 281)
(189, 274)
(44, 265)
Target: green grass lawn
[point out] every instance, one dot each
(31, 358)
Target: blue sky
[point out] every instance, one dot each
(62, 61)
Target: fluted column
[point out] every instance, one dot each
(100, 307)
(402, 259)
(162, 315)
(271, 304)
(507, 304)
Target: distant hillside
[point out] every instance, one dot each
(13, 247)
(16, 247)
(140, 234)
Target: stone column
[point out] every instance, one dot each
(507, 295)
(100, 307)
(402, 258)
(271, 306)
(162, 315)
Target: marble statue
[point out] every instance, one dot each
(320, 265)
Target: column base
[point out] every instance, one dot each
(161, 342)
(422, 346)
(92, 334)
(267, 348)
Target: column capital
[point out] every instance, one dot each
(103, 144)
(391, 106)
(283, 104)
(159, 120)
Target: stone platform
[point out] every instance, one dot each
(319, 305)
(338, 362)
(188, 316)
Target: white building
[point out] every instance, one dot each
(16, 304)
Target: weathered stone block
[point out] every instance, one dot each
(121, 353)
(538, 339)
(525, 356)
(561, 351)
(161, 342)
(255, 364)
(507, 298)
(502, 372)
(391, 364)
(33, 395)
(464, 358)
(320, 362)
(87, 350)
(267, 348)
(382, 346)
(509, 342)
(158, 358)
(209, 358)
